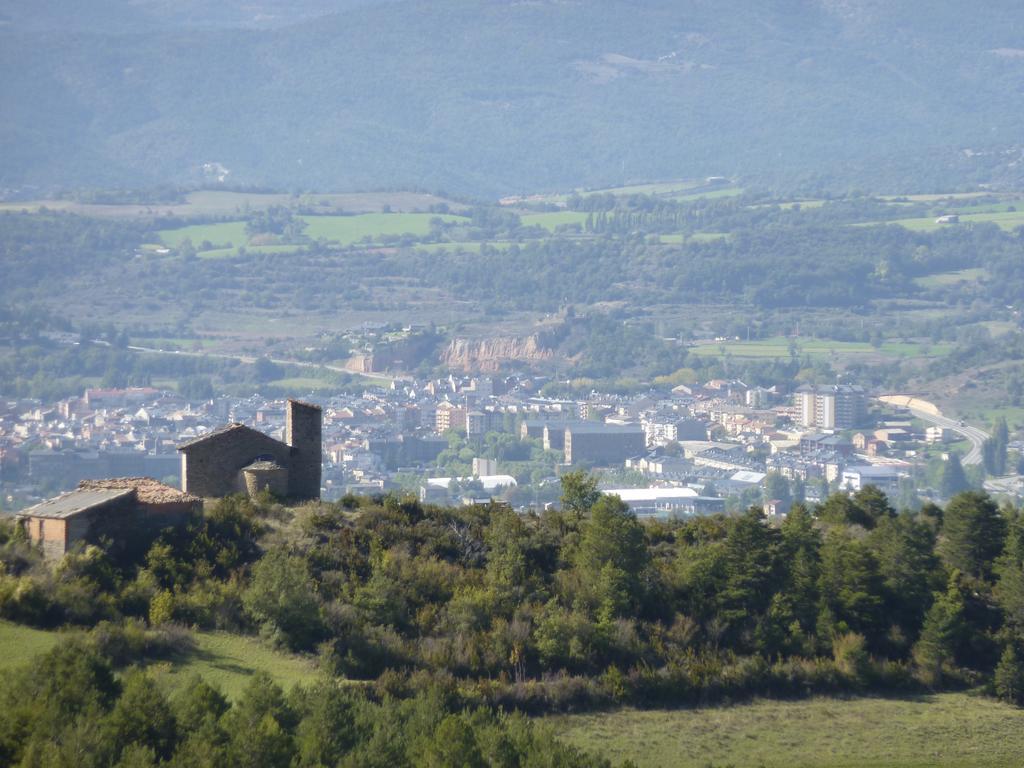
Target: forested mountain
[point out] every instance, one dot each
(488, 98)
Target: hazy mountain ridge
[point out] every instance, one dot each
(492, 98)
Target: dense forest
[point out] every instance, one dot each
(583, 607)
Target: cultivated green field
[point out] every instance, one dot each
(654, 188)
(1008, 220)
(710, 195)
(344, 230)
(225, 203)
(778, 346)
(223, 233)
(351, 229)
(944, 731)
(944, 279)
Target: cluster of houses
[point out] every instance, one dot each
(693, 446)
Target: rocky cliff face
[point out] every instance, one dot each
(487, 355)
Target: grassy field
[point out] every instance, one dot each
(303, 383)
(351, 229)
(1008, 220)
(943, 279)
(778, 346)
(21, 643)
(225, 203)
(223, 233)
(945, 731)
(655, 188)
(710, 195)
(227, 660)
(344, 230)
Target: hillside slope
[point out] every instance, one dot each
(489, 98)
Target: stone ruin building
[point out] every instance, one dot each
(125, 513)
(238, 459)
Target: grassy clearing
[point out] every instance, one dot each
(946, 731)
(710, 195)
(224, 233)
(229, 661)
(226, 660)
(303, 382)
(985, 415)
(21, 643)
(931, 198)
(1008, 220)
(943, 279)
(778, 346)
(656, 188)
(344, 230)
(351, 229)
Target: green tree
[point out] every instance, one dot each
(873, 504)
(952, 480)
(751, 574)
(850, 589)
(143, 717)
(260, 726)
(579, 493)
(942, 632)
(1009, 676)
(973, 534)
(454, 745)
(282, 597)
(840, 508)
(904, 547)
(612, 549)
(1009, 570)
(327, 729)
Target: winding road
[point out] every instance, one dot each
(975, 435)
(251, 359)
(929, 412)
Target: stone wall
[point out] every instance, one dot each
(210, 468)
(303, 432)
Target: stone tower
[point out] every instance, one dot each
(303, 426)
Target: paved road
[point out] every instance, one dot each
(975, 435)
(250, 360)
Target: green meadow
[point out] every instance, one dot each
(351, 229)
(943, 731)
(228, 236)
(1008, 220)
(222, 233)
(778, 346)
(944, 279)
(227, 660)
(20, 644)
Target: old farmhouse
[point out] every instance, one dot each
(125, 512)
(239, 459)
